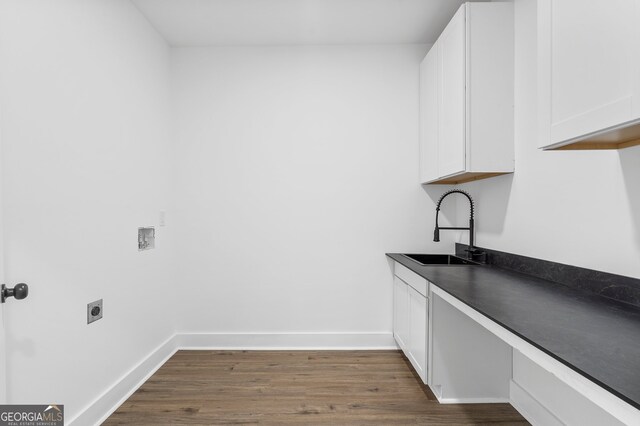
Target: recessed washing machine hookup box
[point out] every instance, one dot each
(146, 238)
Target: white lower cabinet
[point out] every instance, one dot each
(410, 320)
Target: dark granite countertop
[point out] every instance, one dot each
(595, 336)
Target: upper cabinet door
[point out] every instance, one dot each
(429, 116)
(589, 73)
(451, 98)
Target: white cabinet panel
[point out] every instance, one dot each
(400, 312)
(469, 364)
(429, 116)
(452, 79)
(418, 332)
(589, 67)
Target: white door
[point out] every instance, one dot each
(589, 67)
(3, 351)
(429, 116)
(3, 347)
(452, 75)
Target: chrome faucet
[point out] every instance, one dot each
(436, 233)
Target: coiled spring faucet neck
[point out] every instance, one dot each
(436, 233)
(457, 191)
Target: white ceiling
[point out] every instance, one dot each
(274, 22)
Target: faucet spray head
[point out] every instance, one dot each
(436, 231)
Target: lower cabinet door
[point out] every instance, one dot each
(417, 345)
(401, 313)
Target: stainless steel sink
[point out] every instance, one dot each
(439, 259)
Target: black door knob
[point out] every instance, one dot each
(20, 291)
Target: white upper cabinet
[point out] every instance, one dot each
(466, 97)
(589, 73)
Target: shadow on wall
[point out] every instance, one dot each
(630, 164)
(491, 197)
(491, 202)
(448, 213)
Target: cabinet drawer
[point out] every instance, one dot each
(411, 278)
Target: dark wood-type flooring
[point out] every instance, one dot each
(296, 387)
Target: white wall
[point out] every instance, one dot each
(297, 171)
(579, 208)
(86, 150)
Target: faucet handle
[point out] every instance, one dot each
(477, 255)
(474, 253)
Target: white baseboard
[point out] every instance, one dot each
(530, 408)
(100, 409)
(437, 391)
(287, 341)
(472, 400)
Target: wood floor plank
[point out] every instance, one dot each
(296, 387)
